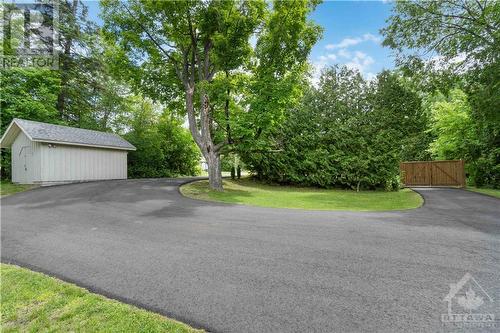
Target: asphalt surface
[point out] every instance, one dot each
(230, 268)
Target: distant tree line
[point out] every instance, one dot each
(460, 77)
(441, 102)
(155, 63)
(164, 147)
(88, 91)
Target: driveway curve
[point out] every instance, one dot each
(230, 268)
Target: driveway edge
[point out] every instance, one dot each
(107, 294)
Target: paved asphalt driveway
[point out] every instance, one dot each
(229, 268)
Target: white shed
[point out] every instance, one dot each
(49, 154)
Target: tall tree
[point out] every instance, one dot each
(400, 106)
(75, 41)
(334, 137)
(466, 31)
(29, 94)
(193, 48)
(462, 38)
(452, 126)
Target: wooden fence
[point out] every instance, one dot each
(433, 173)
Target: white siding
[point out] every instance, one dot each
(64, 163)
(25, 156)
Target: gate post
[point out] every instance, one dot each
(463, 180)
(429, 163)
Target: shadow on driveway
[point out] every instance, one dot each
(232, 268)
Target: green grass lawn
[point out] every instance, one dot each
(34, 302)
(490, 191)
(248, 192)
(7, 188)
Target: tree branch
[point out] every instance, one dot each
(147, 33)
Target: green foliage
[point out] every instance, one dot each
(181, 153)
(463, 41)
(80, 93)
(29, 94)
(255, 102)
(484, 97)
(231, 162)
(164, 148)
(461, 135)
(347, 133)
(227, 162)
(79, 67)
(276, 84)
(221, 29)
(452, 126)
(87, 91)
(449, 28)
(397, 104)
(485, 170)
(5, 165)
(200, 53)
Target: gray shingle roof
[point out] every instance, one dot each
(64, 134)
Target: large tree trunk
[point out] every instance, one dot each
(204, 141)
(214, 171)
(66, 61)
(196, 64)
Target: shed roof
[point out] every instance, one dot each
(43, 132)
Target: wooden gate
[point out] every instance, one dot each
(433, 173)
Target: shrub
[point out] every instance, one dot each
(346, 133)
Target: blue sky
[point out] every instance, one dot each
(351, 35)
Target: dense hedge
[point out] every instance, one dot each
(484, 98)
(164, 148)
(347, 133)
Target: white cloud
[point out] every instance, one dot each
(321, 63)
(371, 38)
(344, 53)
(438, 62)
(346, 42)
(370, 76)
(360, 55)
(332, 56)
(356, 60)
(253, 40)
(350, 41)
(361, 61)
(317, 69)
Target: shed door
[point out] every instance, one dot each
(25, 156)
